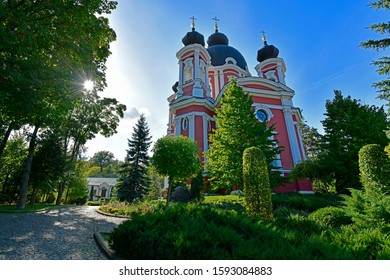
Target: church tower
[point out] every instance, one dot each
(191, 108)
(204, 73)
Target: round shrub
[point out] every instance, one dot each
(330, 217)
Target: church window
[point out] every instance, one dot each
(188, 66)
(261, 115)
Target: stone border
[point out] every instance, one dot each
(112, 215)
(105, 248)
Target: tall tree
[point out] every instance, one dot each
(238, 129)
(348, 126)
(64, 42)
(102, 159)
(134, 181)
(383, 63)
(177, 158)
(311, 139)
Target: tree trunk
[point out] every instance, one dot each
(5, 138)
(61, 188)
(27, 169)
(170, 181)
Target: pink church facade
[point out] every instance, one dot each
(204, 72)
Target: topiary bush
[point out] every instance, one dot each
(374, 168)
(257, 191)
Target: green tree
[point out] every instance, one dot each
(349, 126)
(175, 157)
(383, 63)
(102, 159)
(257, 191)
(311, 139)
(65, 42)
(134, 182)
(238, 129)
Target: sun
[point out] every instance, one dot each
(88, 85)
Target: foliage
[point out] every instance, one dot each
(311, 139)
(238, 129)
(133, 182)
(124, 208)
(330, 217)
(382, 63)
(348, 126)
(374, 168)
(77, 191)
(175, 157)
(215, 233)
(257, 191)
(156, 184)
(65, 43)
(102, 159)
(304, 202)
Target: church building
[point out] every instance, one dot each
(205, 71)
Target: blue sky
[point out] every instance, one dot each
(319, 41)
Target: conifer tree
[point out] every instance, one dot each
(238, 129)
(133, 182)
(382, 63)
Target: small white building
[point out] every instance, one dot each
(100, 187)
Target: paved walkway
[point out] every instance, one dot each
(64, 233)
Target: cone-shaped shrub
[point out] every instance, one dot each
(257, 191)
(374, 168)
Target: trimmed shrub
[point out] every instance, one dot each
(330, 217)
(257, 191)
(305, 202)
(374, 168)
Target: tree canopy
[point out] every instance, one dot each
(238, 129)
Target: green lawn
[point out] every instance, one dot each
(12, 207)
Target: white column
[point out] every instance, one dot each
(205, 132)
(191, 127)
(300, 140)
(177, 126)
(179, 87)
(292, 135)
(197, 90)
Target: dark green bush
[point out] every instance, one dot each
(257, 191)
(305, 202)
(330, 217)
(368, 243)
(206, 232)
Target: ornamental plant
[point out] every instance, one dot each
(257, 191)
(374, 168)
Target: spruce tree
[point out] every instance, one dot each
(238, 129)
(382, 63)
(133, 182)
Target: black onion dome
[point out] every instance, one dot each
(219, 51)
(266, 52)
(217, 39)
(193, 37)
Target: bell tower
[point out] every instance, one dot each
(191, 106)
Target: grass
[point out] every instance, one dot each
(38, 206)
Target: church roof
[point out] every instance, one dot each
(219, 50)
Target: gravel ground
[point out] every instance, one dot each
(64, 233)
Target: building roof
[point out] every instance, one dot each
(98, 181)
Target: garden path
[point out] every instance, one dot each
(63, 233)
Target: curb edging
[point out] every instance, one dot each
(104, 247)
